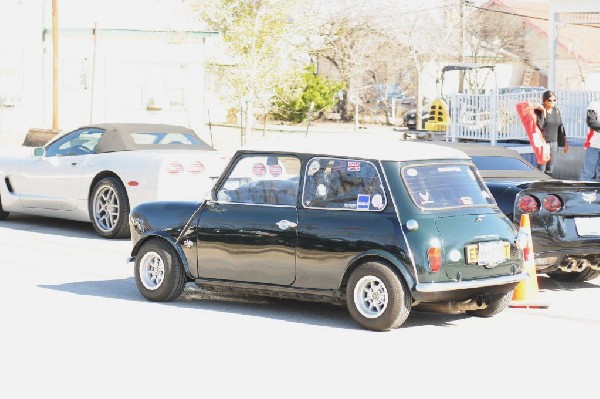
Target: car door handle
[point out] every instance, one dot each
(74, 163)
(286, 224)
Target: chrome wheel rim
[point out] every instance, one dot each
(152, 270)
(106, 208)
(370, 297)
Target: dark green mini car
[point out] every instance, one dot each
(381, 227)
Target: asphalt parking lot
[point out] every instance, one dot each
(74, 325)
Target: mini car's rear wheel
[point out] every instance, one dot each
(574, 277)
(109, 208)
(159, 273)
(377, 298)
(498, 304)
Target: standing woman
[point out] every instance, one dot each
(549, 120)
(591, 158)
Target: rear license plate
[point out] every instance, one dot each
(488, 253)
(588, 226)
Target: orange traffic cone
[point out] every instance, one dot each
(526, 294)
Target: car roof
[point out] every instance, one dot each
(475, 150)
(116, 136)
(360, 146)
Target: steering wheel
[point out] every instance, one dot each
(79, 150)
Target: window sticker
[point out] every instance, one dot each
(466, 200)
(321, 191)
(313, 167)
(377, 201)
(425, 198)
(259, 169)
(363, 201)
(443, 169)
(412, 172)
(353, 166)
(275, 170)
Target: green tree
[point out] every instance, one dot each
(313, 96)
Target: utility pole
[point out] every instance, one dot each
(54, 64)
(462, 45)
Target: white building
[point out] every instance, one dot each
(117, 62)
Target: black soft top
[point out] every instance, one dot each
(118, 137)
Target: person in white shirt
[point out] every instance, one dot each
(591, 159)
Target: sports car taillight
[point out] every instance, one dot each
(174, 167)
(196, 168)
(434, 255)
(528, 204)
(552, 203)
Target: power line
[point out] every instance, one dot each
(526, 16)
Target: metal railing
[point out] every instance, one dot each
(493, 118)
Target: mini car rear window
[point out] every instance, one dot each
(437, 186)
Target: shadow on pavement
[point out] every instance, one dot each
(548, 284)
(310, 313)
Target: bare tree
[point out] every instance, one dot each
(261, 46)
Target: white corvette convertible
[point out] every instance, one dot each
(98, 173)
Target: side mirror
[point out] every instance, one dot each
(39, 152)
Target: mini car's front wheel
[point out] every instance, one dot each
(159, 273)
(109, 208)
(377, 298)
(498, 304)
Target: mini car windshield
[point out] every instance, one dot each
(439, 186)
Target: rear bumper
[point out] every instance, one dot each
(460, 290)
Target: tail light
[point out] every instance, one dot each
(529, 204)
(196, 168)
(552, 203)
(174, 168)
(434, 255)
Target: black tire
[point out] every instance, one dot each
(377, 298)
(158, 271)
(3, 215)
(574, 277)
(499, 303)
(109, 208)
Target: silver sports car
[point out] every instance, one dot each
(98, 173)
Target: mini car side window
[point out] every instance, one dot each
(262, 179)
(343, 184)
(79, 142)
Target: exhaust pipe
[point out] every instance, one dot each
(455, 307)
(568, 264)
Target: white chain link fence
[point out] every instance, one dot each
(493, 118)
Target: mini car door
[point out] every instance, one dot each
(53, 180)
(249, 233)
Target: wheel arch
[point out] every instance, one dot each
(101, 175)
(169, 240)
(383, 257)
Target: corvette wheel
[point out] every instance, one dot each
(109, 208)
(377, 298)
(574, 277)
(159, 273)
(3, 215)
